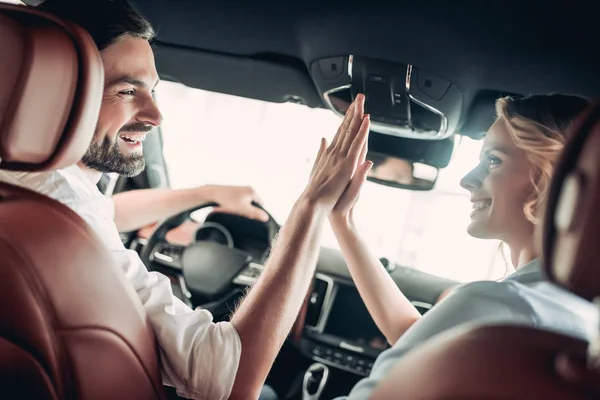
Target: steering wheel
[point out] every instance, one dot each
(208, 268)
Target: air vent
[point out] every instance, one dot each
(320, 290)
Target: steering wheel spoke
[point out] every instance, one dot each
(168, 255)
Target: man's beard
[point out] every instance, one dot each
(106, 156)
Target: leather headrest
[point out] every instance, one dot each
(50, 90)
(571, 228)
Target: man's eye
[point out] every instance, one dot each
(129, 92)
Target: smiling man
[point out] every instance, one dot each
(202, 359)
(117, 144)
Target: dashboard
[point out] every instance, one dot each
(338, 329)
(334, 327)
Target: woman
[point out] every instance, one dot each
(507, 187)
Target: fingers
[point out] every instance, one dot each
(322, 149)
(339, 136)
(351, 194)
(360, 176)
(355, 123)
(363, 152)
(260, 215)
(258, 200)
(360, 140)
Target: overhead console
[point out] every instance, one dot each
(402, 99)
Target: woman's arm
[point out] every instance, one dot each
(391, 310)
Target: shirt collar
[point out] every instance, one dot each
(529, 273)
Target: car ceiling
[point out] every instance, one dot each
(264, 49)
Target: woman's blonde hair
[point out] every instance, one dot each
(539, 125)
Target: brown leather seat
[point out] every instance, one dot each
(519, 362)
(70, 324)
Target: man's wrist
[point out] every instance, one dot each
(204, 194)
(307, 205)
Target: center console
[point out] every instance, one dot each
(338, 329)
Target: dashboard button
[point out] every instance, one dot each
(369, 365)
(360, 362)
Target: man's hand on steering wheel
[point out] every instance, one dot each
(238, 200)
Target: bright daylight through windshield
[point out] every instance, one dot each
(211, 138)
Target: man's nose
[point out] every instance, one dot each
(150, 113)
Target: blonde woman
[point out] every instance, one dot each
(507, 187)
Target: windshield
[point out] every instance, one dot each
(212, 138)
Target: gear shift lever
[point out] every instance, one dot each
(315, 379)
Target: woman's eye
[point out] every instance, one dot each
(493, 161)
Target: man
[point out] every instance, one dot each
(200, 358)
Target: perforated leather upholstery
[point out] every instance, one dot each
(71, 326)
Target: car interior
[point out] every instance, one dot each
(431, 73)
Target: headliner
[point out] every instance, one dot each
(479, 46)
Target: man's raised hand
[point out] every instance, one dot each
(336, 164)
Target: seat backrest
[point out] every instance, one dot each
(519, 362)
(71, 326)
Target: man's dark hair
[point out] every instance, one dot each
(107, 21)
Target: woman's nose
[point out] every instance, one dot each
(471, 180)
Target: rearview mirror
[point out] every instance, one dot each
(401, 173)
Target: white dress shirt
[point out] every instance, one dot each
(524, 298)
(198, 357)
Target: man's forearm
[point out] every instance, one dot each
(266, 316)
(138, 208)
(391, 310)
